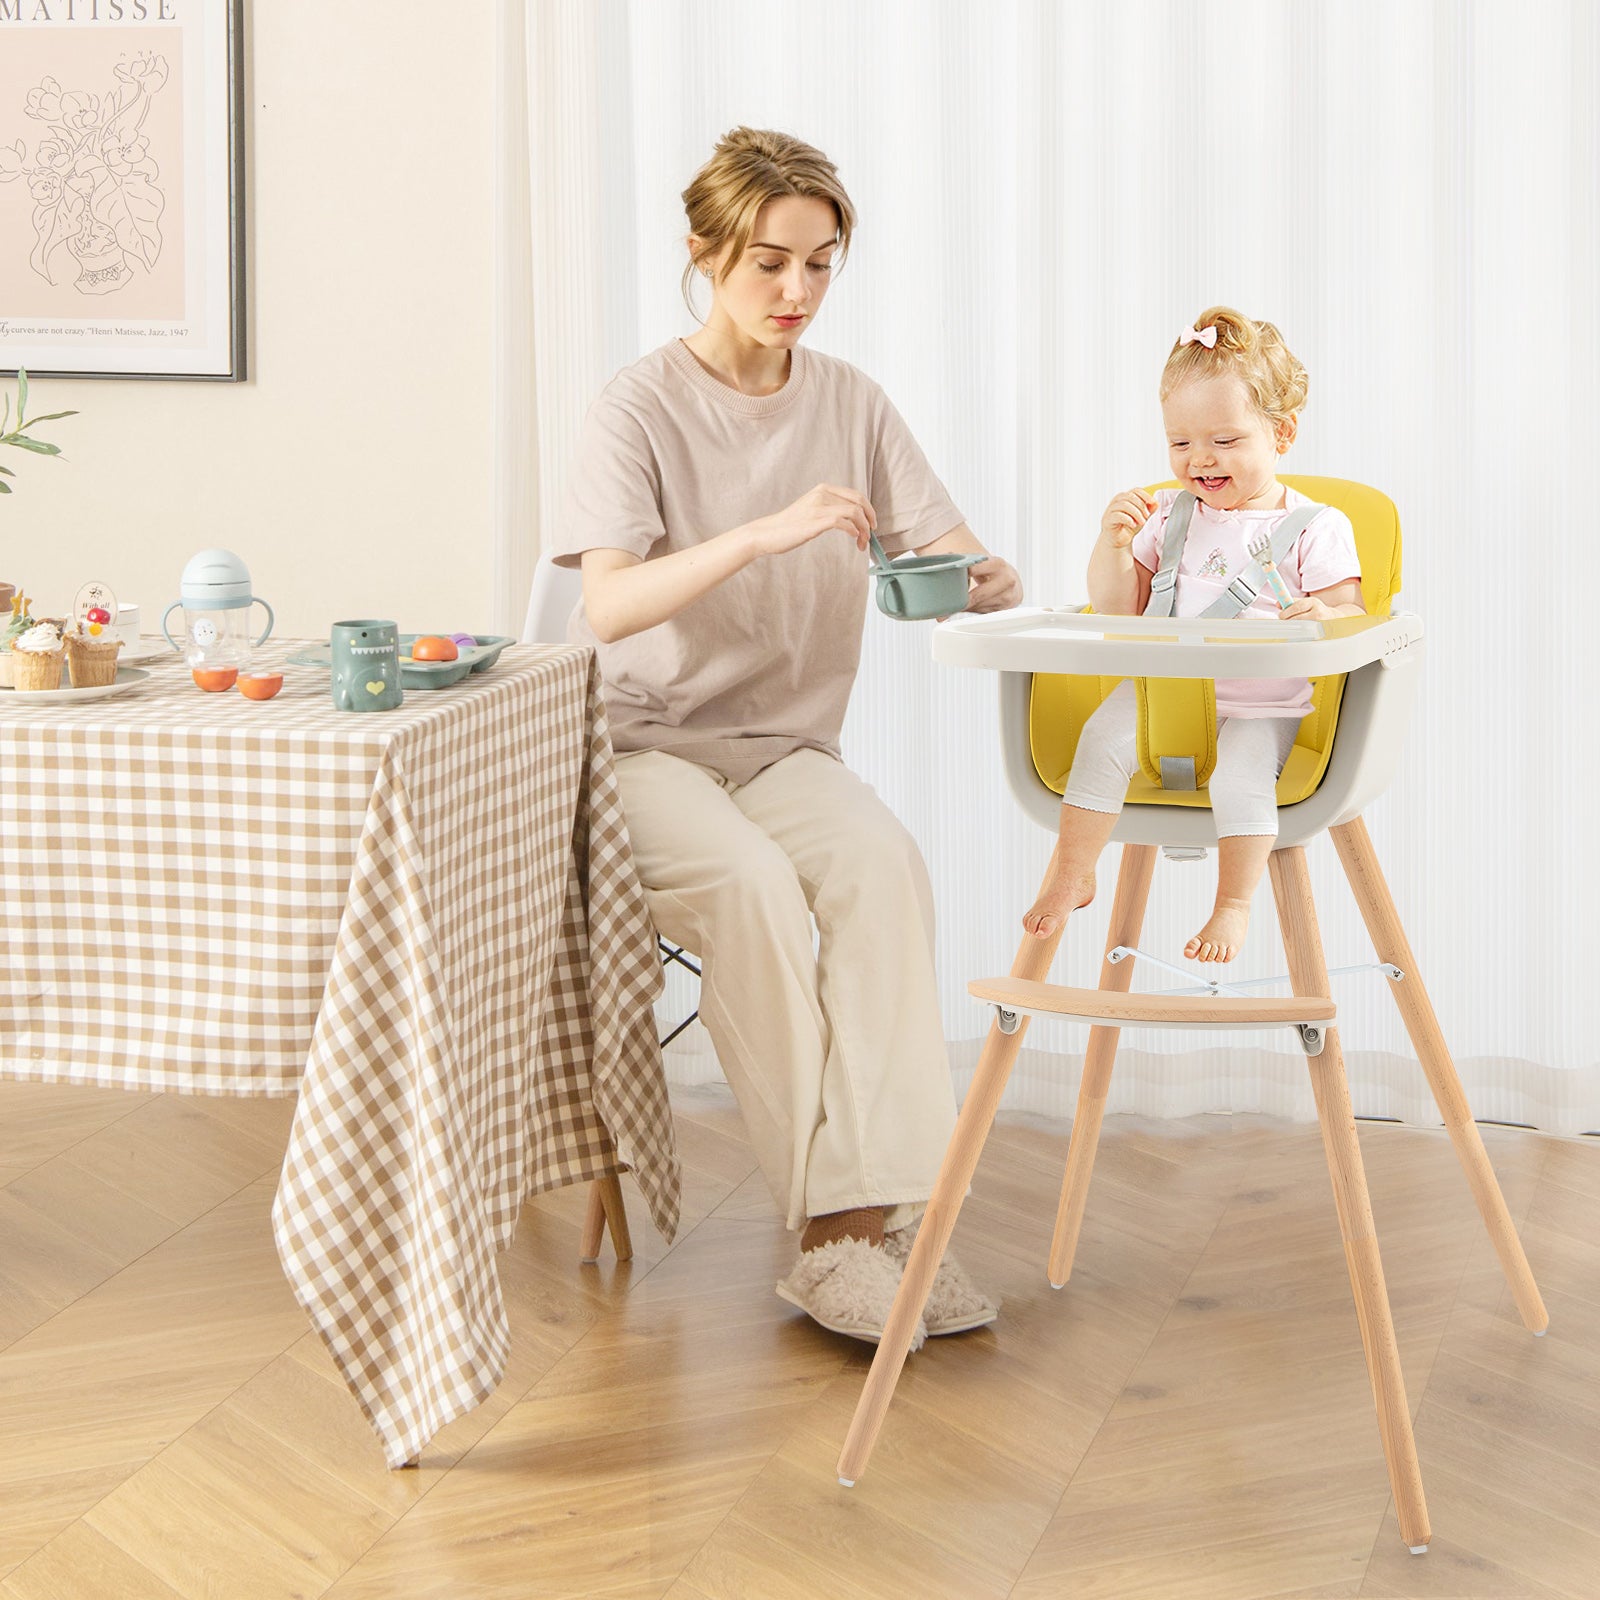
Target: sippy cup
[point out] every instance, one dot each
(216, 600)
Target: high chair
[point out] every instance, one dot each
(1055, 666)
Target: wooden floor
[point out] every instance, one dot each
(1188, 1418)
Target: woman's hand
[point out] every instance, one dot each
(1125, 516)
(821, 510)
(995, 585)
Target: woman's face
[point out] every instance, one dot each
(770, 294)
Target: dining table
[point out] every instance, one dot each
(425, 924)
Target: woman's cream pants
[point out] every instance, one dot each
(829, 1036)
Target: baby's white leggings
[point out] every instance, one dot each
(1251, 752)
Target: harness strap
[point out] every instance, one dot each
(1246, 585)
(1164, 582)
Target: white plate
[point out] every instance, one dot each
(127, 678)
(145, 650)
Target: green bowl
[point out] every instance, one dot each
(915, 588)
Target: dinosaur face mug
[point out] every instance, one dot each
(366, 665)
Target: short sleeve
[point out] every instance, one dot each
(1326, 553)
(1147, 542)
(913, 507)
(613, 496)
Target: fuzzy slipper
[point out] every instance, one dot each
(848, 1287)
(955, 1302)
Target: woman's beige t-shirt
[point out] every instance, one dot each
(763, 664)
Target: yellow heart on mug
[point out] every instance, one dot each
(376, 686)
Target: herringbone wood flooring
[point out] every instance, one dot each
(1188, 1418)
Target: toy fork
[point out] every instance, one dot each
(1260, 548)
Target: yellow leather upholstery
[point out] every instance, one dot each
(1178, 716)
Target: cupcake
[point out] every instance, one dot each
(91, 658)
(36, 659)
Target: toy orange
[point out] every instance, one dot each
(431, 647)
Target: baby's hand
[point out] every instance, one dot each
(1306, 606)
(1125, 516)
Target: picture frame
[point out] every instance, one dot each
(122, 187)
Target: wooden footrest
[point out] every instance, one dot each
(1102, 1006)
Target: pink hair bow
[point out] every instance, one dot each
(1205, 336)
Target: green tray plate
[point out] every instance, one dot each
(423, 674)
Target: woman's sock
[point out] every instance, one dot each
(864, 1222)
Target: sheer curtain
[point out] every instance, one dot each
(1047, 194)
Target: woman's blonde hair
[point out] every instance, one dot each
(1253, 352)
(749, 167)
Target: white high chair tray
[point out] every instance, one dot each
(1067, 639)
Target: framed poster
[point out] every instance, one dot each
(122, 188)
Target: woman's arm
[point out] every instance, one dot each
(995, 585)
(624, 594)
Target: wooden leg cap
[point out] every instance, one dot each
(848, 1483)
(1418, 1549)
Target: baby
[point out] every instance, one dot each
(1231, 394)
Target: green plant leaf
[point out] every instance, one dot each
(33, 422)
(22, 395)
(8, 472)
(38, 446)
(5, 488)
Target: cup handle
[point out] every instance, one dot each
(164, 615)
(270, 620)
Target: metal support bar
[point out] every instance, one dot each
(1213, 986)
(1387, 968)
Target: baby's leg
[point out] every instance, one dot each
(1102, 766)
(1251, 752)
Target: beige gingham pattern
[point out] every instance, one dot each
(426, 922)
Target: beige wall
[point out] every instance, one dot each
(352, 472)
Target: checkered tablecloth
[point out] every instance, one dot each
(425, 922)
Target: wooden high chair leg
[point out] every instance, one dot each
(605, 1207)
(938, 1221)
(1308, 971)
(1127, 917)
(1360, 862)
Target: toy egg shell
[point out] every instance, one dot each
(463, 641)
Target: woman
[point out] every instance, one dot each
(719, 507)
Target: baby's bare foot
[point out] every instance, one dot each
(1065, 893)
(1222, 938)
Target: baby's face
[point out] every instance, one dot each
(1221, 448)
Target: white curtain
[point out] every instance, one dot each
(1047, 193)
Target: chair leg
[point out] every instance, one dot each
(1360, 862)
(1297, 917)
(605, 1209)
(594, 1224)
(938, 1221)
(1127, 917)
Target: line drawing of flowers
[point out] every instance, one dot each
(92, 178)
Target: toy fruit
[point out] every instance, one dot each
(216, 679)
(260, 685)
(464, 640)
(430, 647)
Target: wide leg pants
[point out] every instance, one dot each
(809, 906)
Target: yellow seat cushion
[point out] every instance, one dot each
(1060, 704)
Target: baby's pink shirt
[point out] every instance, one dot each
(1216, 550)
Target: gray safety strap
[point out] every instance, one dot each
(1164, 581)
(1248, 584)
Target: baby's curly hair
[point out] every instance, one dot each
(1254, 352)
